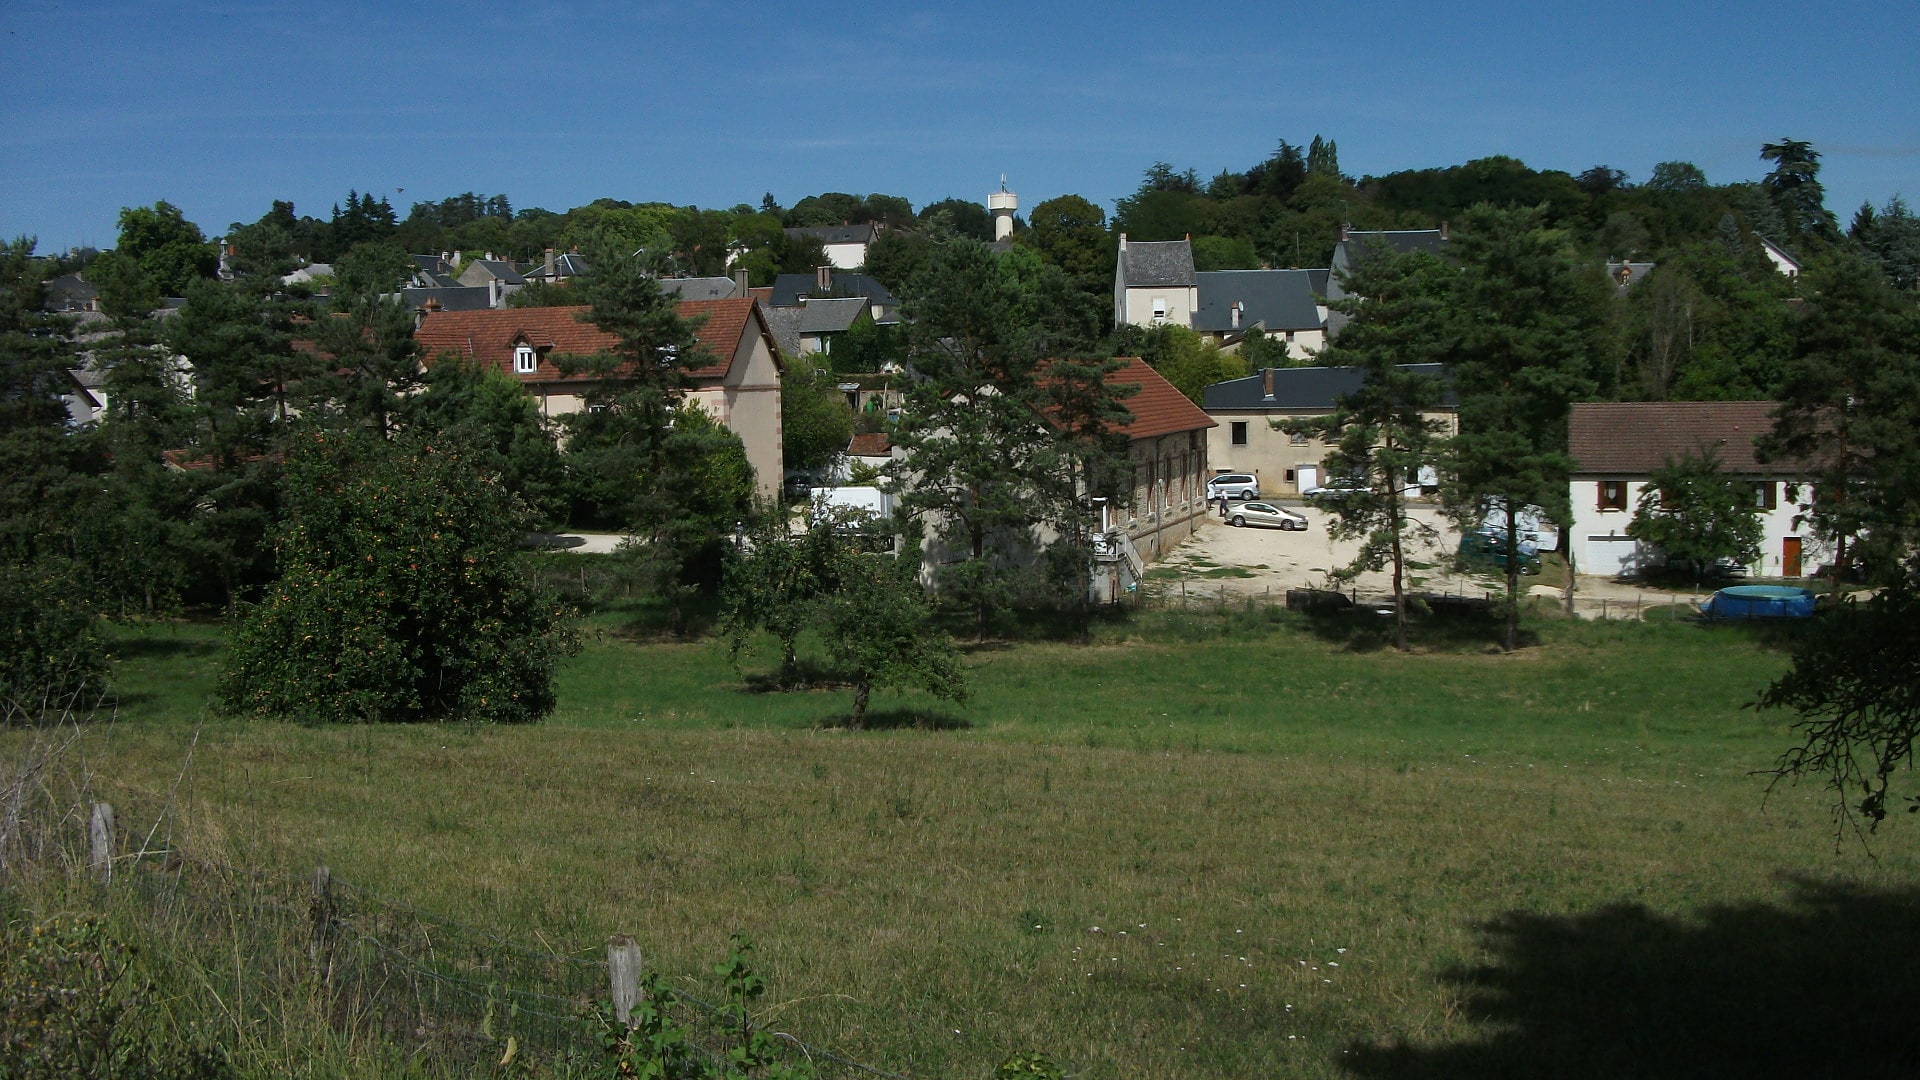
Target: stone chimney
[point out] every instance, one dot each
(1237, 306)
(549, 263)
(823, 278)
(1266, 382)
(1345, 234)
(1443, 230)
(493, 292)
(741, 284)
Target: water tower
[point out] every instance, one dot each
(1003, 203)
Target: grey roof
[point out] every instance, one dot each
(482, 269)
(1273, 299)
(788, 288)
(840, 234)
(1399, 241)
(564, 266)
(784, 325)
(828, 316)
(1301, 389)
(1626, 275)
(454, 298)
(700, 288)
(69, 292)
(1319, 278)
(1164, 262)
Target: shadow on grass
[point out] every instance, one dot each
(808, 674)
(899, 719)
(1442, 624)
(1823, 985)
(150, 647)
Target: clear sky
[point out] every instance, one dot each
(222, 107)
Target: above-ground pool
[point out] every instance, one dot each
(1759, 602)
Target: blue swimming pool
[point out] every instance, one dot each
(1759, 602)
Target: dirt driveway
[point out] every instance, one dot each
(1220, 560)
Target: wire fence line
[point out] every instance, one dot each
(274, 952)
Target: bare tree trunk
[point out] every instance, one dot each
(1512, 641)
(862, 691)
(1395, 521)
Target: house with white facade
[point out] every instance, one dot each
(1246, 410)
(1154, 284)
(846, 245)
(739, 385)
(1286, 305)
(1617, 446)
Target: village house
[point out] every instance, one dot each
(1246, 410)
(740, 388)
(1616, 446)
(1354, 247)
(1167, 458)
(846, 245)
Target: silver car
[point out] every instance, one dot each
(1267, 515)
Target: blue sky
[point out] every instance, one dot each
(222, 107)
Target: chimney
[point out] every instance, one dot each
(1266, 382)
(741, 280)
(1344, 237)
(1443, 230)
(493, 292)
(823, 278)
(1237, 305)
(549, 266)
(1123, 241)
(456, 258)
(446, 258)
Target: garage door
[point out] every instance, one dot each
(1609, 555)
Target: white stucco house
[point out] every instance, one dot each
(1154, 283)
(846, 245)
(1616, 446)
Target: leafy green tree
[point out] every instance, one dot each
(170, 250)
(1384, 433)
(488, 411)
(1071, 233)
(1530, 335)
(1892, 237)
(1323, 157)
(1087, 411)
(1794, 185)
(1697, 514)
(1852, 685)
(402, 594)
(815, 421)
(373, 360)
(1849, 414)
(38, 459)
(1224, 253)
(880, 631)
(1676, 176)
(1184, 358)
(372, 266)
(962, 217)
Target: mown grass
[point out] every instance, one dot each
(1303, 854)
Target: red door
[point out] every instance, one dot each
(1790, 557)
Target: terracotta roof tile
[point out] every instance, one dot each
(1638, 437)
(874, 444)
(1158, 409)
(490, 335)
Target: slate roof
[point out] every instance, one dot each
(839, 234)
(1637, 437)
(564, 266)
(784, 324)
(829, 316)
(1164, 262)
(481, 269)
(1626, 275)
(450, 298)
(1300, 389)
(699, 288)
(1275, 299)
(1158, 409)
(788, 288)
(490, 336)
(70, 292)
(1399, 241)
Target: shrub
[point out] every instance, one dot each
(403, 594)
(51, 654)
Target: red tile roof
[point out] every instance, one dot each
(489, 335)
(875, 444)
(1158, 409)
(1638, 437)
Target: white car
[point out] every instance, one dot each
(1267, 515)
(1233, 486)
(1334, 491)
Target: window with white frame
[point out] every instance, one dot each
(1159, 310)
(525, 360)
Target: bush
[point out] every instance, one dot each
(51, 655)
(403, 594)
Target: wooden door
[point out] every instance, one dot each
(1790, 556)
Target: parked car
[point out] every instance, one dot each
(1267, 515)
(1334, 491)
(1488, 547)
(1233, 486)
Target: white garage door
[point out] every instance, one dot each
(1609, 555)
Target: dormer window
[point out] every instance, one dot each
(525, 360)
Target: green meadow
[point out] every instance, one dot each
(1215, 843)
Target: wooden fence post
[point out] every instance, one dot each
(623, 973)
(100, 845)
(320, 906)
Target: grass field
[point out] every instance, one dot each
(1211, 845)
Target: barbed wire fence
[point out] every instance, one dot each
(275, 954)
